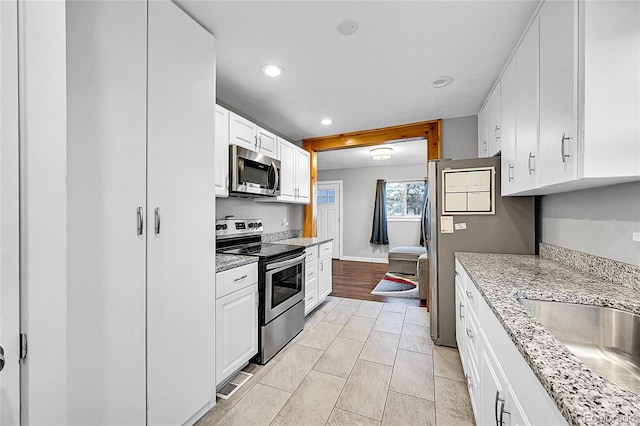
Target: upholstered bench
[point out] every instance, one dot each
(404, 259)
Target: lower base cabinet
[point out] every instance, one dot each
(318, 282)
(236, 320)
(502, 388)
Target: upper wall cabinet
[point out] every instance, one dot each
(577, 99)
(489, 126)
(222, 152)
(295, 174)
(247, 134)
(483, 141)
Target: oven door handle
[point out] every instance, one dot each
(286, 263)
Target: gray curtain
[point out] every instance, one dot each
(379, 233)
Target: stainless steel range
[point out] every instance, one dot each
(280, 282)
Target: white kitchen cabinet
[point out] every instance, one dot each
(287, 171)
(222, 152)
(295, 174)
(139, 291)
(324, 273)
(236, 319)
(311, 299)
(499, 380)
(247, 134)
(483, 138)
(303, 175)
(494, 126)
(508, 122)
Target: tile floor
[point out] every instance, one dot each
(356, 363)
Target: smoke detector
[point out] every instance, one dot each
(347, 27)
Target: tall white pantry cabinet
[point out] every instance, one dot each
(141, 212)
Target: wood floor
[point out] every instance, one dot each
(355, 280)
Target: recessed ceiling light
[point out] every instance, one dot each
(383, 153)
(347, 27)
(441, 81)
(326, 121)
(271, 70)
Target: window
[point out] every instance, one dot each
(405, 199)
(326, 196)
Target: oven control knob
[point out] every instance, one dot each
(259, 224)
(218, 227)
(224, 226)
(251, 225)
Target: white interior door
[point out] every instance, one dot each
(9, 215)
(329, 202)
(180, 241)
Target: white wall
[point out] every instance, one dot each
(270, 213)
(460, 137)
(359, 198)
(597, 221)
(43, 211)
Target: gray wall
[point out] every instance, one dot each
(359, 197)
(460, 137)
(597, 221)
(270, 213)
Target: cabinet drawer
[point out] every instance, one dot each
(312, 253)
(311, 286)
(326, 248)
(471, 337)
(236, 279)
(472, 298)
(311, 270)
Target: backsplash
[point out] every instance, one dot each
(606, 269)
(281, 235)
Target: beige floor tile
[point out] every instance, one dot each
(313, 318)
(394, 307)
(212, 417)
(351, 302)
(357, 328)
(320, 336)
(312, 402)
(369, 309)
(416, 338)
(328, 305)
(390, 322)
(340, 357)
(408, 410)
(259, 407)
(380, 347)
(453, 406)
(258, 372)
(292, 368)
(366, 389)
(417, 315)
(413, 375)
(446, 363)
(340, 314)
(342, 418)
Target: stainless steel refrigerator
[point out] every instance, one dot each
(511, 229)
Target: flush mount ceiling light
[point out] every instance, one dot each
(441, 81)
(326, 121)
(271, 70)
(347, 27)
(383, 153)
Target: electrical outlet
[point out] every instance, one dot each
(636, 236)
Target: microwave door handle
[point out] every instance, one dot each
(286, 262)
(275, 170)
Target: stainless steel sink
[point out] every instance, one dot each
(605, 339)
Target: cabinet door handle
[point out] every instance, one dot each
(460, 311)
(469, 294)
(140, 220)
(1, 358)
(495, 406)
(496, 132)
(157, 220)
(260, 142)
(510, 173)
(562, 151)
(484, 145)
(531, 169)
(503, 412)
(469, 333)
(240, 279)
(469, 384)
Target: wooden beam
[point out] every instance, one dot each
(430, 130)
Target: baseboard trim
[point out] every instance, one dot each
(364, 259)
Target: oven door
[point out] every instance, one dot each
(284, 286)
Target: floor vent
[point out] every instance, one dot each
(227, 390)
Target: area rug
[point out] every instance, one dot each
(397, 285)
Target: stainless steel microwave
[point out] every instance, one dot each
(252, 174)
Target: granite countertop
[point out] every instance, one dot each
(582, 396)
(304, 242)
(230, 261)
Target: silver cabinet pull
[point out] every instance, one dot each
(469, 333)
(495, 406)
(496, 132)
(469, 384)
(503, 412)
(562, 151)
(140, 221)
(240, 279)
(510, 172)
(469, 294)
(531, 169)
(157, 220)
(255, 137)
(460, 311)
(484, 145)
(1, 358)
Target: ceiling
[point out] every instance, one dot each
(378, 77)
(404, 153)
